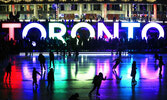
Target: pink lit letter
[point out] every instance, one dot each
(11, 27)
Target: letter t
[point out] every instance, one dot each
(11, 27)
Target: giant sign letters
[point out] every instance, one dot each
(101, 29)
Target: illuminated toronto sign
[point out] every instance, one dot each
(101, 28)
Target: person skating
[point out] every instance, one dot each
(41, 59)
(34, 77)
(133, 72)
(161, 63)
(117, 62)
(97, 83)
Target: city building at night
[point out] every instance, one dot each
(76, 46)
(83, 9)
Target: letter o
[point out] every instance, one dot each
(34, 25)
(82, 24)
(150, 25)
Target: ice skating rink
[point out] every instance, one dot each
(72, 77)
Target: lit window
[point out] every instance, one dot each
(138, 0)
(112, 0)
(62, 0)
(39, 0)
(50, 0)
(87, 0)
(74, 0)
(150, 0)
(125, 0)
(100, 0)
(6, 1)
(28, 0)
(17, 0)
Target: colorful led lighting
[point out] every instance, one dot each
(101, 28)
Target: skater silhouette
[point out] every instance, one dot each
(97, 83)
(51, 55)
(50, 79)
(161, 63)
(41, 59)
(117, 62)
(156, 57)
(116, 75)
(34, 77)
(133, 72)
(8, 71)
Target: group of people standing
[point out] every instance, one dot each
(42, 59)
